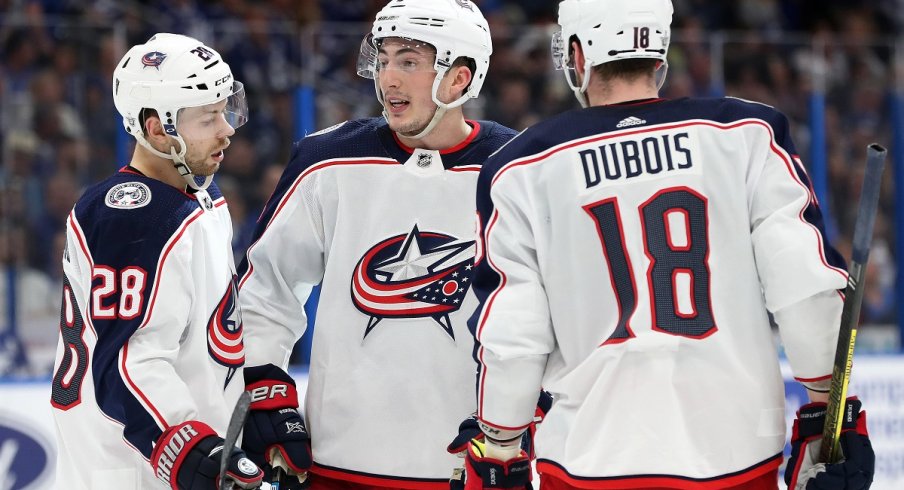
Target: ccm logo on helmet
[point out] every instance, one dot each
(222, 80)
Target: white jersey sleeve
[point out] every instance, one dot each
(518, 300)
(282, 265)
(800, 283)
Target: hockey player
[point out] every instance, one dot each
(632, 252)
(381, 212)
(150, 351)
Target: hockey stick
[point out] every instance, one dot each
(277, 479)
(236, 424)
(853, 297)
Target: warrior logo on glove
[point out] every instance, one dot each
(416, 275)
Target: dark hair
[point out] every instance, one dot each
(630, 69)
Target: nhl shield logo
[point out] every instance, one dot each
(414, 275)
(128, 195)
(424, 160)
(465, 4)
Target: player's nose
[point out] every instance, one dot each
(390, 79)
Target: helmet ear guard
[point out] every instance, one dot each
(454, 28)
(611, 30)
(169, 73)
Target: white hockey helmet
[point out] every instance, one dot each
(168, 73)
(611, 30)
(455, 28)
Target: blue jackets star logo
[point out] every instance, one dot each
(415, 275)
(224, 332)
(153, 59)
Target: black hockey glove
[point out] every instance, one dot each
(187, 457)
(275, 435)
(854, 472)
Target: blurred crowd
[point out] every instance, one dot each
(59, 131)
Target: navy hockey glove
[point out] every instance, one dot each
(187, 457)
(275, 435)
(854, 472)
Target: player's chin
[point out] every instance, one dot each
(209, 167)
(407, 129)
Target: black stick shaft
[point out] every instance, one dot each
(236, 424)
(853, 297)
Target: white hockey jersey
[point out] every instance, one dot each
(389, 231)
(150, 331)
(631, 254)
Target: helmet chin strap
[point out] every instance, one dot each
(178, 159)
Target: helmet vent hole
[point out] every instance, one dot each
(127, 62)
(613, 52)
(212, 64)
(393, 28)
(590, 42)
(202, 86)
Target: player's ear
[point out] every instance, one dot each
(461, 77)
(153, 128)
(577, 54)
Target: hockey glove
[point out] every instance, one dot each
(469, 429)
(187, 457)
(854, 472)
(482, 471)
(275, 435)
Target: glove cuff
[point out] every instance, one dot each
(812, 417)
(173, 446)
(271, 388)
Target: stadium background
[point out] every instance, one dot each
(835, 67)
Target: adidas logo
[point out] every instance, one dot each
(631, 121)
